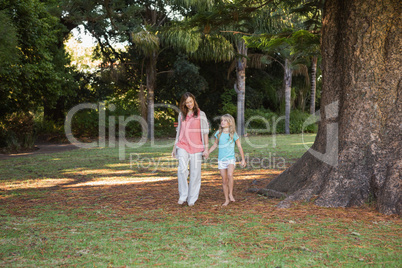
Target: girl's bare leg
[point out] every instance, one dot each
(230, 181)
(225, 186)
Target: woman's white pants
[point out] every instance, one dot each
(189, 191)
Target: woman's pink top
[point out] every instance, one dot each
(190, 135)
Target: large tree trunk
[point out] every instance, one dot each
(356, 156)
(151, 80)
(313, 84)
(288, 90)
(240, 85)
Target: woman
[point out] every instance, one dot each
(190, 145)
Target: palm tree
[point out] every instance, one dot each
(308, 45)
(282, 49)
(158, 34)
(149, 40)
(229, 21)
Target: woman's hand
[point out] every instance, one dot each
(174, 152)
(205, 154)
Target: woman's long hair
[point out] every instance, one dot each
(232, 126)
(183, 107)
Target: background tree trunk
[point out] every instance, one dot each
(54, 113)
(313, 84)
(142, 96)
(356, 156)
(288, 90)
(151, 80)
(240, 85)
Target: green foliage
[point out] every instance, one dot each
(214, 47)
(17, 132)
(259, 121)
(49, 130)
(264, 121)
(146, 41)
(164, 124)
(186, 78)
(297, 119)
(228, 99)
(8, 41)
(85, 123)
(187, 40)
(34, 76)
(38, 73)
(119, 110)
(306, 43)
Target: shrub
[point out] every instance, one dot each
(228, 99)
(17, 132)
(297, 120)
(85, 123)
(49, 130)
(263, 121)
(259, 121)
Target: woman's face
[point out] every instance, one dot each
(190, 103)
(225, 123)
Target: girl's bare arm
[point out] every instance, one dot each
(213, 146)
(243, 160)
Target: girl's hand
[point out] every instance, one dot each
(243, 163)
(205, 154)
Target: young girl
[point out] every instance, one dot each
(226, 137)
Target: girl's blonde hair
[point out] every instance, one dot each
(232, 126)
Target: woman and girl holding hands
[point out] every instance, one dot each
(192, 145)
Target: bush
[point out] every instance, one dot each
(259, 121)
(132, 129)
(85, 123)
(17, 132)
(49, 130)
(263, 121)
(228, 99)
(297, 120)
(164, 124)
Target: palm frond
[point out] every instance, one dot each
(199, 4)
(301, 69)
(215, 48)
(258, 61)
(146, 41)
(182, 39)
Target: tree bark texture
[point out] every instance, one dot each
(356, 156)
(288, 91)
(142, 96)
(313, 84)
(151, 80)
(240, 85)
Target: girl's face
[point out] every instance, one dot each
(190, 103)
(225, 123)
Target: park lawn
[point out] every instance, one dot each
(88, 208)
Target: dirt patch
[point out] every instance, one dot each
(42, 148)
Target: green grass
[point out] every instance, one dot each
(52, 216)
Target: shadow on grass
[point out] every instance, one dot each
(135, 194)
